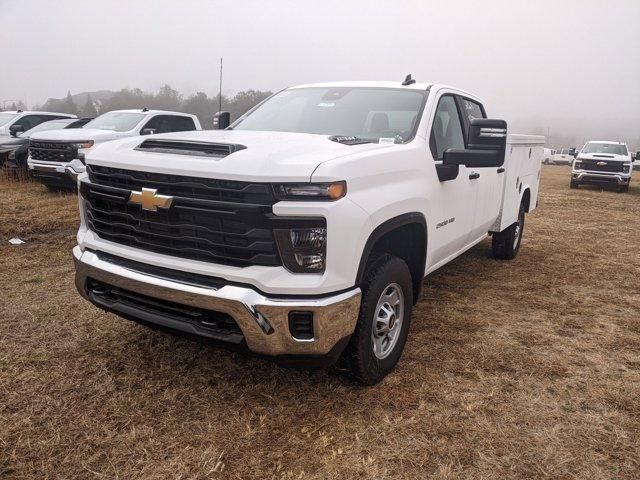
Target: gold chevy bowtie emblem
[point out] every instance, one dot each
(150, 200)
(601, 164)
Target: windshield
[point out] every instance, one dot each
(610, 148)
(117, 121)
(51, 125)
(6, 117)
(366, 113)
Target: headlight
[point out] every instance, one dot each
(311, 191)
(82, 145)
(626, 167)
(303, 250)
(12, 154)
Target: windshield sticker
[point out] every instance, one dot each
(387, 141)
(326, 104)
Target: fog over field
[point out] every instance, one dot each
(571, 68)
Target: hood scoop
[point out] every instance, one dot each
(192, 148)
(604, 156)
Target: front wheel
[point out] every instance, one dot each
(573, 184)
(383, 323)
(505, 244)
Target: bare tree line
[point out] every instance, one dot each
(167, 98)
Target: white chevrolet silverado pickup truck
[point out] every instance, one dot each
(51, 152)
(603, 163)
(303, 231)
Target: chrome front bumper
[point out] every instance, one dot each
(47, 167)
(264, 321)
(585, 175)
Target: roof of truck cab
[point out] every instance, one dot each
(606, 141)
(38, 112)
(386, 84)
(139, 110)
(365, 84)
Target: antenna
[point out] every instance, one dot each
(220, 94)
(408, 80)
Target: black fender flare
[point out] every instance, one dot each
(386, 227)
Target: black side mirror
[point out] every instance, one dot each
(14, 130)
(487, 142)
(221, 120)
(148, 131)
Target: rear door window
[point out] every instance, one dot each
(469, 110)
(170, 123)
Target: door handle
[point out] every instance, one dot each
(501, 170)
(474, 175)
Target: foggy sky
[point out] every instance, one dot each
(572, 66)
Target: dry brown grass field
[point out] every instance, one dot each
(523, 369)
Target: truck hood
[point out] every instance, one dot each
(12, 142)
(606, 157)
(72, 134)
(272, 156)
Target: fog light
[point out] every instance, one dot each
(301, 325)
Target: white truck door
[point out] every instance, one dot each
(487, 181)
(451, 200)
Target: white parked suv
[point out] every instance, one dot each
(603, 163)
(303, 232)
(50, 152)
(18, 121)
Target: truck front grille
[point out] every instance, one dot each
(209, 220)
(607, 167)
(52, 151)
(179, 185)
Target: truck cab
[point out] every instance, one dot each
(303, 232)
(51, 152)
(15, 122)
(605, 163)
(562, 156)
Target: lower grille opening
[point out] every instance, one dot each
(301, 325)
(210, 322)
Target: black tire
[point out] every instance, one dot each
(506, 244)
(359, 356)
(573, 184)
(623, 189)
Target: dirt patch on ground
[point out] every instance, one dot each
(523, 369)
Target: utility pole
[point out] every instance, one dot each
(220, 94)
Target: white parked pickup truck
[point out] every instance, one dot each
(562, 156)
(303, 232)
(15, 122)
(603, 163)
(50, 152)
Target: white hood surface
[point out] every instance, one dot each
(71, 134)
(272, 156)
(605, 157)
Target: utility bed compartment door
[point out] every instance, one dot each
(522, 163)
